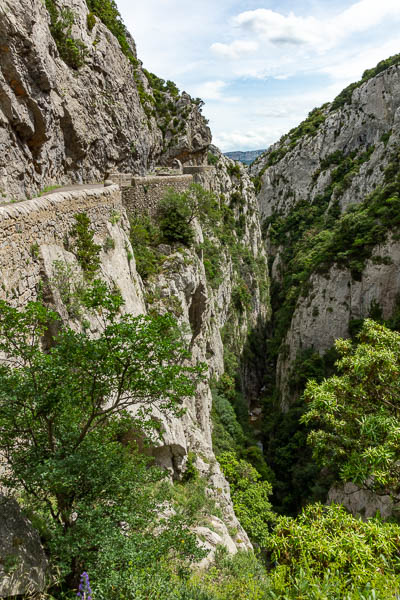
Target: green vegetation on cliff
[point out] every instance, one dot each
(345, 95)
(67, 436)
(314, 237)
(71, 50)
(107, 11)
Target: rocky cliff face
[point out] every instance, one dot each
(204, 303)
(75, 103)
(325, 189)
(36, 259)
(61, 123)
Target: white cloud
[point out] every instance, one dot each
(260, 70)
(235, 50)
(279, 29)
(252, 140)
(365, 14)
(271, 28)
(213, 90)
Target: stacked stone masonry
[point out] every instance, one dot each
(26, 226)
(145, 193)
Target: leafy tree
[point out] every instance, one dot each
(355, 415)
(328, 547)
(69, 415)
(249, 495)
(177, 212)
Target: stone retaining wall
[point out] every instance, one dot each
(145, 193)
(28, 225)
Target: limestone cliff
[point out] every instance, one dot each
(79, 108)
(324, 193)
(38, 259)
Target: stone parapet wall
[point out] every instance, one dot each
(121, 179)
(145, 193)
(27, 226)
(197, 169)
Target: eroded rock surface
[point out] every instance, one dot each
(339, 165)
(60, 125)
(23, 565)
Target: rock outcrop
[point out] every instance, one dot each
(60, 124)
(23, 565)
(335, 160)
(37, 258)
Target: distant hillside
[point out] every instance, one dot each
(245, 157)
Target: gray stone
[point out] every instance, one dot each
(23, 565)
(60, 125)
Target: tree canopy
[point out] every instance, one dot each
(72, 412)
(355, 415)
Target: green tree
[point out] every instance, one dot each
(177, 212)
(250, 496)
(327, 550)
(69, 418)
(355, 415)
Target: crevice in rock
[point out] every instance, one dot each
(197, 309)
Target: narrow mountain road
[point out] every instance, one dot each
(74, 187)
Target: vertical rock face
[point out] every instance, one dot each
(203, 306)
(302, 174)
(36, 255)
(344, 155)
(60, 124)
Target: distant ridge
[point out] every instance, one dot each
(246, 157)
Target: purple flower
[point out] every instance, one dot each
(85, 592)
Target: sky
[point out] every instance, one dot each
(261, 66)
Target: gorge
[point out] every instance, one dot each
(111, 188)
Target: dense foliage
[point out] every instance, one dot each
(67, 436)
(250, 497)
(329, 545)
(355, 414)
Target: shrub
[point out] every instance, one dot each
(87, 252)
(212, 263)
(233, 169)
(90, 21)
(177, 212)
(175, 219)
(71, 50)
(241, 297)
(109, 244)
(145, 236)
(250, 497)
(326, 540)
(212, 159)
